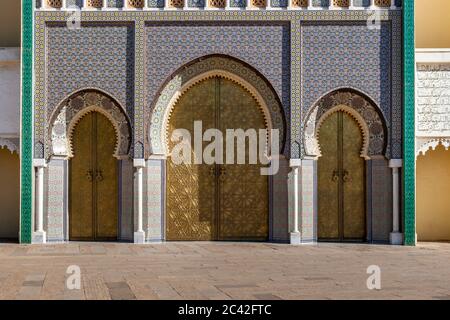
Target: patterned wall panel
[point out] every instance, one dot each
(98, 55)
(78, 3)
(409, 183)
(344, 54)
(115, 3)
(153, 200)
(26, 152)
(280, 205)
(188, 37)
(432, 99)
(361, 3)
(266, 47)
(126, 200)
(308, 185)
(55, 202)
(381, 198)
(155, 3)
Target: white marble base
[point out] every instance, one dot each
(39, 237)
(295, 238)
(396, 238)
(139, 237)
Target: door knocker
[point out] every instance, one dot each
(335, 176)
(223, 172)
(99, 175)
(89, 175)
(346, 176)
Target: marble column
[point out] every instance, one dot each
(303, 228)
(139, 234)
(295, 236)
(39, 235)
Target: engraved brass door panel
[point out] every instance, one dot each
(93, 181)
(191, 202)
(353, 178)
(328, 195)
(341, 173)
(243, 191)
(216, 202)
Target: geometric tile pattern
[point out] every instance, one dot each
(293, 18)
(70, 112)
(280, 204)
(291, 98)
(54, 216)
(380, 193)
(346, 55)
(264, 46)
(154, 200)
(26, 153)
(364, 111)
(115, 3)
(225, 67)
(95, 56)
(409, 124)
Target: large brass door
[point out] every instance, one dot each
(218, 201)
(341, 180)
(93, 186)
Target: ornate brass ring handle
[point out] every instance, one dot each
(223, 172)
(335, 176)
(99, 175)
(89, 175)
(346, 176)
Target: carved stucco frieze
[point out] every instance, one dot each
(433, 100)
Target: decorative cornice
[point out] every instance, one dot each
(10, 145)
(426, 144)
(250, 5)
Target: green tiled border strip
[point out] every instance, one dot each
(408, 123)
(26, 153)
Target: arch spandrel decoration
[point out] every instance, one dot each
(76, 107)
(202, 69)
(360, 108)
(425, 145)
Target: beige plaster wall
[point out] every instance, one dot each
(10, 23)
(433, 195)
(9, 194)
(432, 23)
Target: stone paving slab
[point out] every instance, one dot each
(223, 270)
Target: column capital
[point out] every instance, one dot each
(39, 163)
(139, 163)
(295, 163)
(395, 163)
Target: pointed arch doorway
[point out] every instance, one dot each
(93, 180)
(216, 202)
(341, 180)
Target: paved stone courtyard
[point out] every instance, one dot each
(196, 270)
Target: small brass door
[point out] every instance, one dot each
(93, 181)
(341, 172)
(217, 201)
